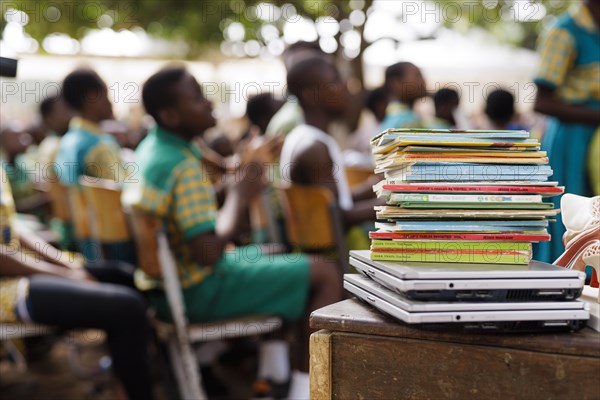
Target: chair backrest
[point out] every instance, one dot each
(79, 213)
(263, 220)
(155, 259)
(103, 198)
(308, 215)
(145, 229)
(357, 175)
(59, 200)
(313, 220)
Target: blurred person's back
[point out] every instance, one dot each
(500, 111)
(446, 103)
(405, 85)
(375, 105)
(290, 114)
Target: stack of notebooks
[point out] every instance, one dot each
(535, 297)
(461, 196)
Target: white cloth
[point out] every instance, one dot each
(306, 132)
(274, 360)
(300, 386)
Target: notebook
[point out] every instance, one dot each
(535, 281)
(499, 317)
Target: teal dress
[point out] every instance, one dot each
(399, 115)
(570, 64)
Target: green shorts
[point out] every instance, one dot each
(244, 282)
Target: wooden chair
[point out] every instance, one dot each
(79, 214)
(263, 219)
(108, 223)
(155, 259)
(313, 220)
(59, 201)
(358, 175)
(82, 230)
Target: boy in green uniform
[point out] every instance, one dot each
(217, 283)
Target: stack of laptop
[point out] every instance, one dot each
(473, 297)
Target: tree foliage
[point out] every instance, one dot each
(201, 23)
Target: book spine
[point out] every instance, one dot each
(472, 178)
(466, 188)
(455, 252)
(417, 245)
(451, 258)
(465, 198)
(458, 236)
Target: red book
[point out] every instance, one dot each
(448, 251)
(477, 189)
(500, 237)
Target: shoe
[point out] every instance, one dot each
(267, 389)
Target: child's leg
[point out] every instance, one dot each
(113, 271)
(118, 310)
(325, 289)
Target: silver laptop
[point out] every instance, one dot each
(532, 316)
(472, 282)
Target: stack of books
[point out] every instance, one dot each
(461, 196)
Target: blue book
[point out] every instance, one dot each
(525, 222)
(456, 167)
(464, 226)
(447, 140)
(465, 134)
(469, 178)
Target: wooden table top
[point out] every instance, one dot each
(353, 316)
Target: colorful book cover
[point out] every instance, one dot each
(476, 187)
(450, 245)
(473, 206)
(454, 151)
(467, 172)
(471, 177)
(452, 258)
(463, 226)
(539, 236)
(391, 162)
(464, 198)
(391, 212)
(394, 135)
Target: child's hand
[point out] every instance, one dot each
(249, 180)
(259, 148)
(80, 275)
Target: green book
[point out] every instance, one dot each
(449, 245)
(452, 258)
(475, 206)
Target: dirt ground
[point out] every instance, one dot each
(51, 375)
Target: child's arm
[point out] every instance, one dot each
(365, 190)
(17, 263)
(547, 103)
(313, 166)
(207, 247)
(36, 246)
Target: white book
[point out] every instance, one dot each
(465, 198)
